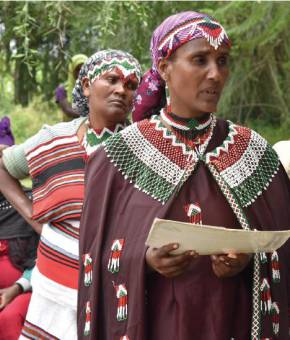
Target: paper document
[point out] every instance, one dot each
(209, 240)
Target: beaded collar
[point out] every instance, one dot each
(93, 138)
(186, 128)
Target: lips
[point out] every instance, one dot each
(211, 93)
(118, 102)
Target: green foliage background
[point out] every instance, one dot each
(38, 38)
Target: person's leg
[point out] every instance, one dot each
(12, 317)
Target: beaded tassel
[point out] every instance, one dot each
(275, 317)
(88, 264)
(275, 267)
(88, 319)
(266, 301)
(122, 296)
(193, 211)
(114, 260)
(263, 257)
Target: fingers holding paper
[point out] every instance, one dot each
(229, 265)
(167, 264)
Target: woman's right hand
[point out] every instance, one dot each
(162, 261)
(36, 226)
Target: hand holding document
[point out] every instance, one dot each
(210, 240)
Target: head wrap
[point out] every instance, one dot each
(98, 64)
(172, 33)
(76, 60)
(6, 136)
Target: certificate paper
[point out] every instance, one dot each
(209, 240)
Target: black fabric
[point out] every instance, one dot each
(22, 251)
(12, 225)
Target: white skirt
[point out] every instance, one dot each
(47, 319)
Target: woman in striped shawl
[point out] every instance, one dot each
(55, 159)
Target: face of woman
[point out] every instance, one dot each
(195, 75)
(110, 97)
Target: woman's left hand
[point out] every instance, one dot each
(229, 265)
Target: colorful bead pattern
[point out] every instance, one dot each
(93, 139)
(246, 162)
(155, 166)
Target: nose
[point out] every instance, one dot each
(120, 88)
(214, 72)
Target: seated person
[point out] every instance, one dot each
(18, 244)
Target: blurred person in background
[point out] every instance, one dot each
(63, 93)
(18, 246)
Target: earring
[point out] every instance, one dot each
(167, 97)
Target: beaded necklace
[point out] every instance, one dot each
(186, 129)
(93, 138)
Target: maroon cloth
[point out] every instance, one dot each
(196, 305)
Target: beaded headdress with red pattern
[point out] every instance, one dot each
(172, 33)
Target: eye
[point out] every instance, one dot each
(132, 85)
(223, 60)
(199, 60)
(112, 79)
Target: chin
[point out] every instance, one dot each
(118, 116)
(209, 108)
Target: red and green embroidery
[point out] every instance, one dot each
(275, 317)
(263, 257)
(87, 328)
(193, 212)
(122, 297)
(88, 266)
(266, 300)
(275, 267)
(114, 260)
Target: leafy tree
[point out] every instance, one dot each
(37, 40)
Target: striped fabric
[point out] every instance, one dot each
(56, 166)
(55, 159)
(57, 321)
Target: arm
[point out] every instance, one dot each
(22, 285)
(67, 109)
(61, 99)
(12, 190)
(9, 294)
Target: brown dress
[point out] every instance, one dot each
(124, 300)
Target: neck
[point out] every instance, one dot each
(99, 123)
(178, 122)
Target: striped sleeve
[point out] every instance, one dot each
(15, 161)
(15, 157)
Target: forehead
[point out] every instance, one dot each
(118, 72)
(200, 46)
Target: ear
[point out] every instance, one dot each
(164, 69)
(86, 86)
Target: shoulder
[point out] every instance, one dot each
(49, 132)
(240, 139)
(246, 161)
